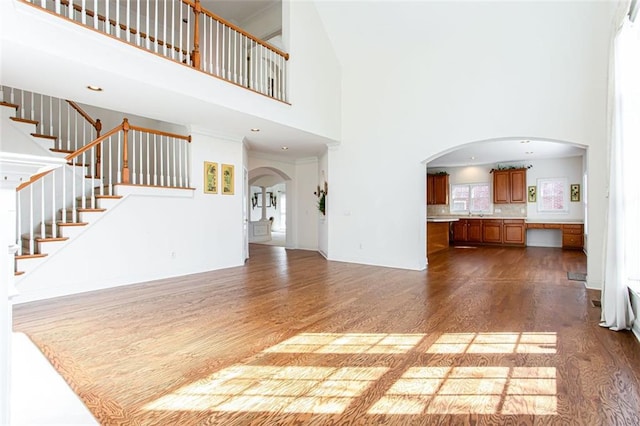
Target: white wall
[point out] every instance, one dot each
(481, 70)
(323, 225)
(147, 237)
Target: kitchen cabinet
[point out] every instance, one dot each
(513, 231)
(437, 236)
(573, 236)
(467, 231)
(437, 189)
(509, 186)
(492, 231)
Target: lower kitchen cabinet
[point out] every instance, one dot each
(492, 231)
(489, 231)
(514, 231)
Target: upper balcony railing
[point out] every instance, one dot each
(183, 31)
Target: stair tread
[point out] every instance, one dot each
(90, 210)
(39, 135)
(51, 239)
(63, 151)
(24, 120)
(71, 223)
(78, 164)
(30, 256)
(115, 197)
(16, 273)
(9, 104)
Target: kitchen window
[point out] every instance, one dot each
(470, 198)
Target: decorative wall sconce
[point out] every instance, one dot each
(322, 197)
(254, 200)
(273, 199)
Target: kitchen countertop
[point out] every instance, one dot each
(556, 221)
(456, 218)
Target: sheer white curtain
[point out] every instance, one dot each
(622, 267)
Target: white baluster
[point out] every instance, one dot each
(173, 29)
(71, 12)
(188, 40)
(53, 204)
(141, 170)
(175, 169)
(147, 29)
(92, 166)
(118, 19)
(95, 14)
(133, 156)
(138, 24)
(64, 196)
(83, 14)
(204, 55)
(74, 192)
(164, 27)
(22, 115)
(19, 221)
(68, 129)
(161, 164)
(180, 40)
(43, 231)
(223, 45)
(31, 208)
(148, 157)
(57, 6)
(128, 30)
(155, 29)
(119, 158)
(218, 50)
(187, 161)
(179, 161)
(155, 160)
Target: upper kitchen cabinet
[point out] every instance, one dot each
(509, 186)
(437, 188)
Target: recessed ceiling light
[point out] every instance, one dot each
(529, 152)
(473, 158)
(525, 141)
(255, 129)
(95, 88)
(284, 148)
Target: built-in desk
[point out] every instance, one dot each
(572, 232)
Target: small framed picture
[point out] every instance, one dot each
(575, 192)
(228, 179)
(210, 177)
(531, 194)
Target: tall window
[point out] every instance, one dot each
(553, 195)
(470, 198)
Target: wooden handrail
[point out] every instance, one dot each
(33, 179)
(96, 124)
(91, 13)
(240, 30)
(160, 133)
(94, 143)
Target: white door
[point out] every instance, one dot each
(245, 213)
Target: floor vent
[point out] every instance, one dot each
(576, 276)
(596, 304)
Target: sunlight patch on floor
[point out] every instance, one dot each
(471, 390)
(349, 343)
(289, 389)
(497, 343)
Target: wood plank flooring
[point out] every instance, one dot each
(485, 336)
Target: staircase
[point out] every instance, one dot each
(56, 206)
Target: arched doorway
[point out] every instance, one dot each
(267, 206)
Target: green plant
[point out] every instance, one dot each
(322, 198)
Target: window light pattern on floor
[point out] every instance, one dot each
(288, 389)
(497, 343)
(471, 390)
(349, 343)
(421, 390)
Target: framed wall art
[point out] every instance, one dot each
(531, 194)
(210, 177)
(575, 192)
(228, 179)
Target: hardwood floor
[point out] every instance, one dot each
(484, 336)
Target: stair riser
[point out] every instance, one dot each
(67, 231)
(27, 265)
(50, 247)
(87, 217)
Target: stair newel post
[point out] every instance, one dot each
(98, 126)
(125, 153)
(195, 55)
